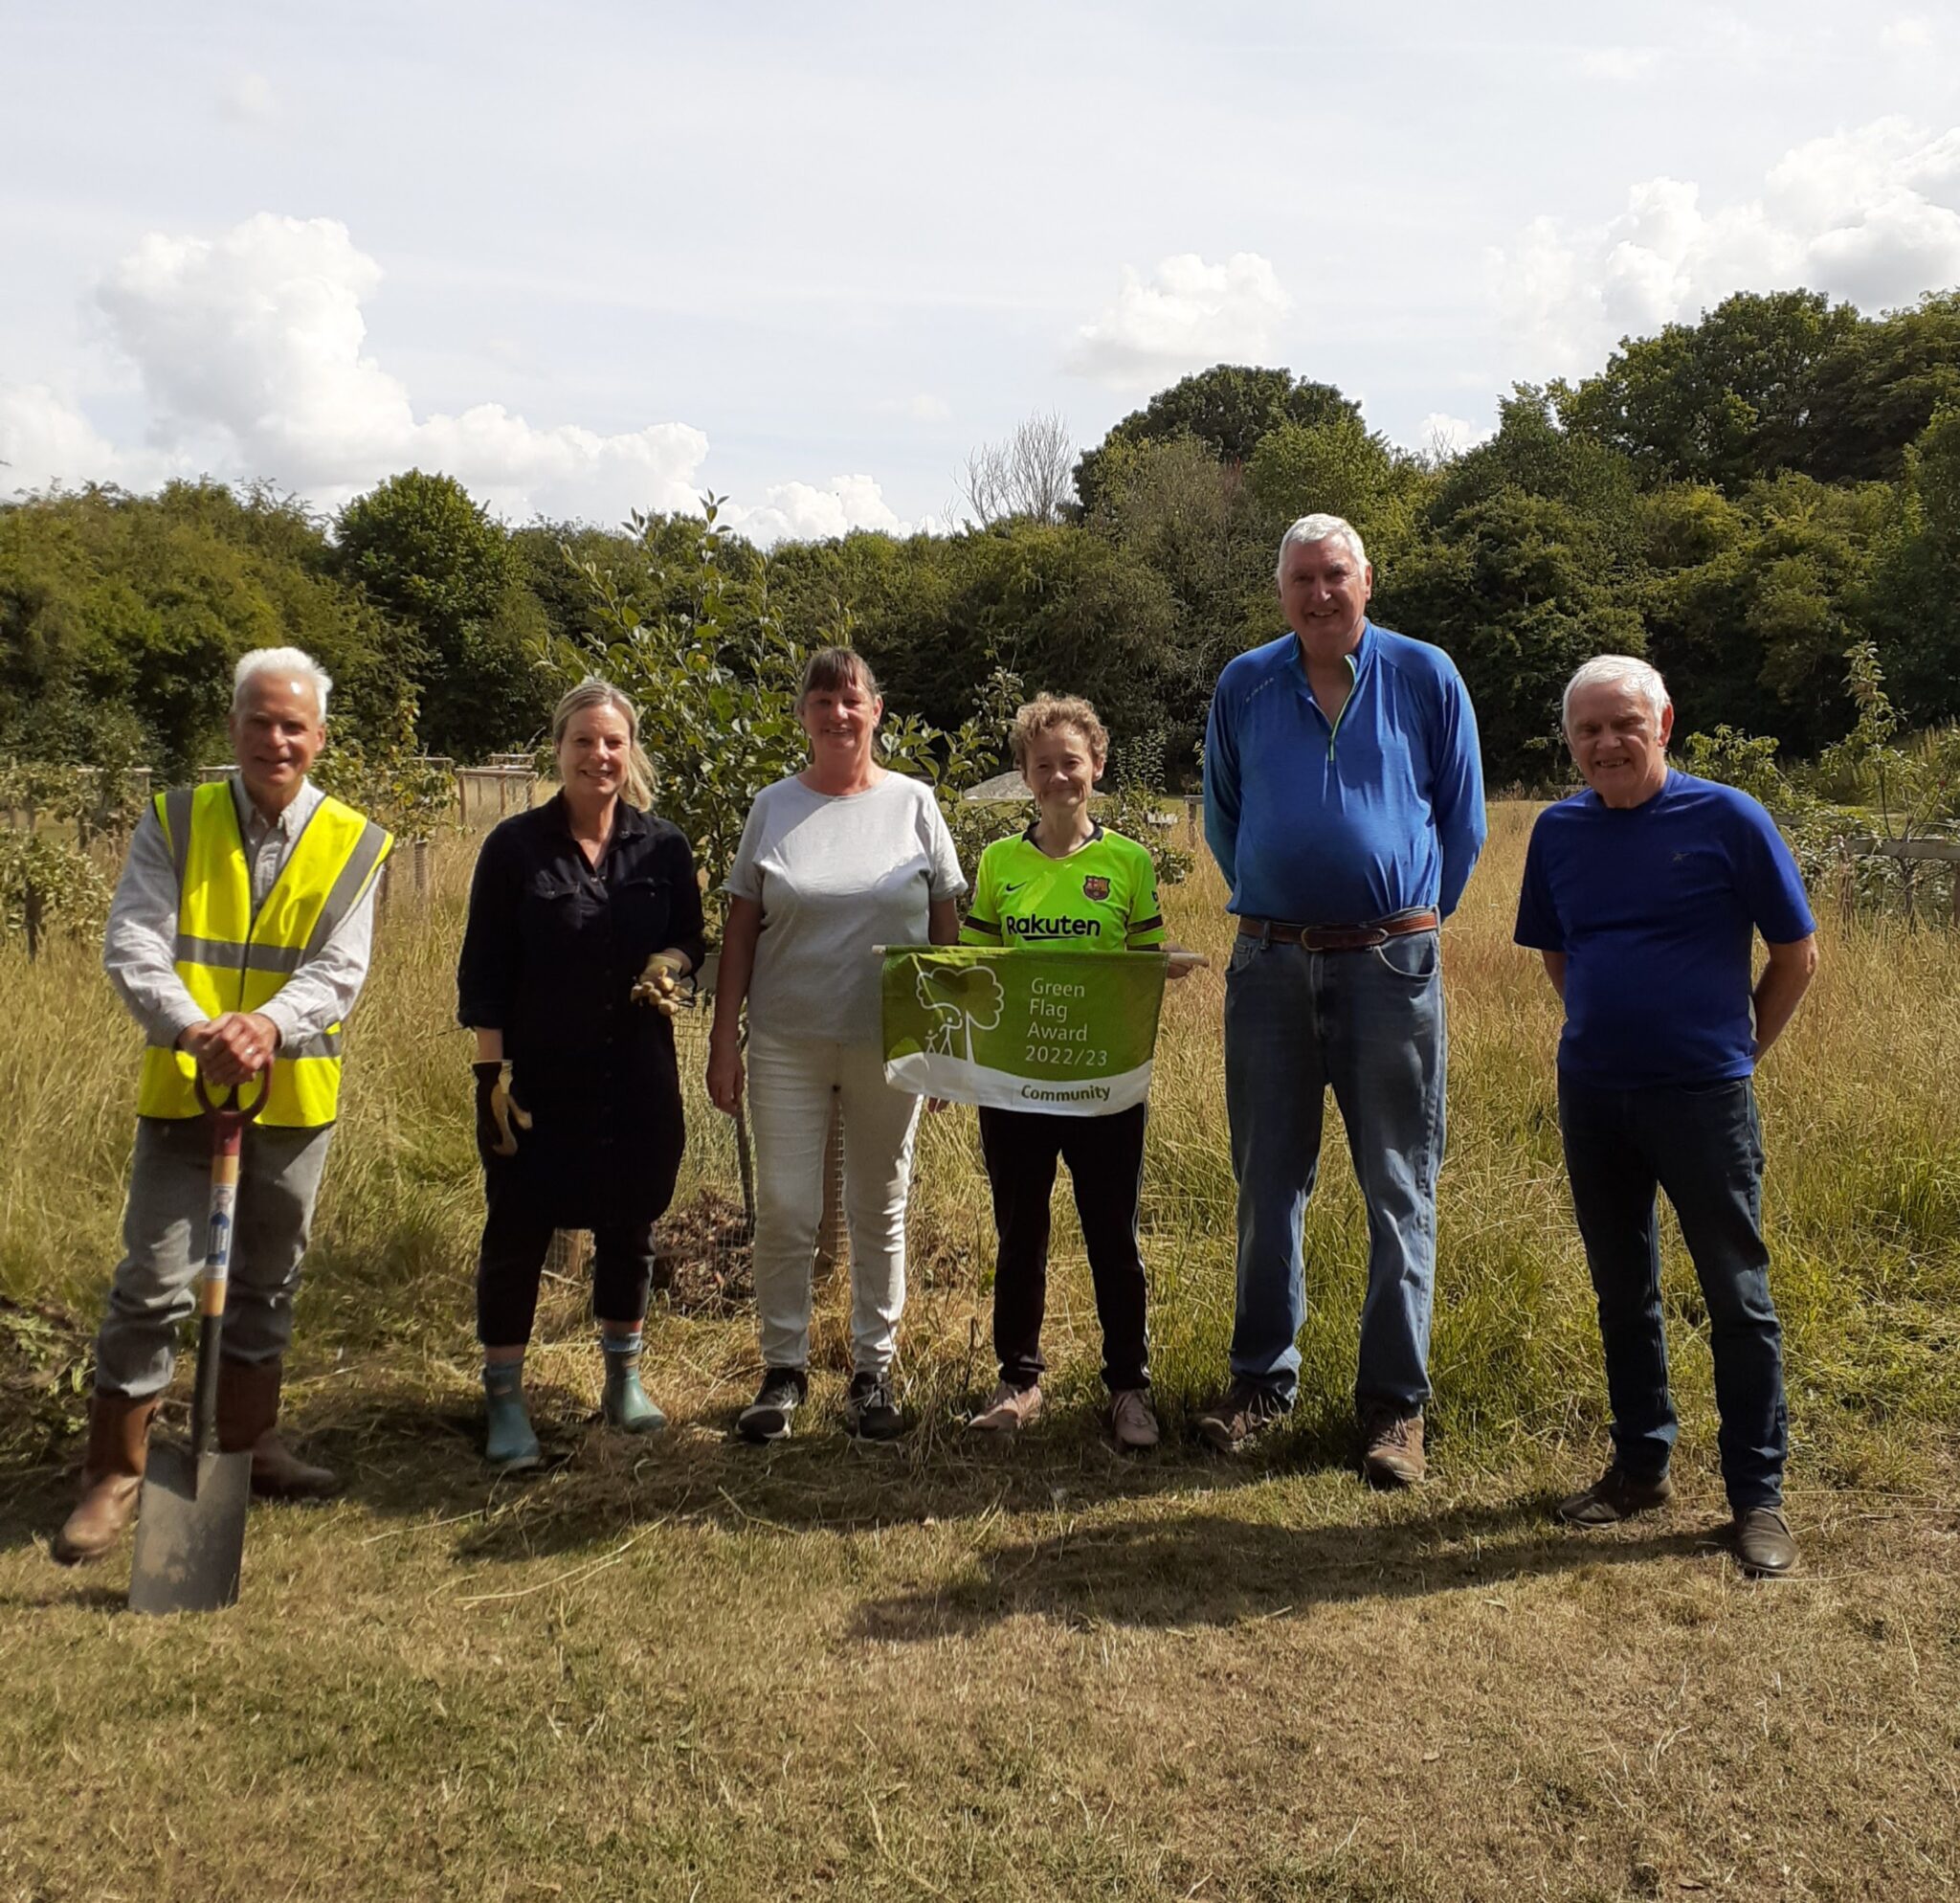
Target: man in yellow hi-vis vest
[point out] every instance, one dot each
(239, 939)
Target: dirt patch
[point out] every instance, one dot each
(703, 1265)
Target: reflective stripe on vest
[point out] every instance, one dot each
(230, 960)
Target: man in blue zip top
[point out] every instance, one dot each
(1344, 802)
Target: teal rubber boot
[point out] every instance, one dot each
(508, 1444)
(624, 1404)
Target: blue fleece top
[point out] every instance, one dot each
(1655, 906)
(1338, 823)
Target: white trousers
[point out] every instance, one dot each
(790, 1086)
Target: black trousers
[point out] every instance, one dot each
(1106, 1165)
(517, 1235)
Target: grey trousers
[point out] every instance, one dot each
(163, 1230)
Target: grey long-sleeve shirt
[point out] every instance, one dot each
(139, 948)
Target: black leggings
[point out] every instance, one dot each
(517, 1236)
(1106, 1164)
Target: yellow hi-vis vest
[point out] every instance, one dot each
(230, 960)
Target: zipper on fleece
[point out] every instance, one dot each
(1334, 725)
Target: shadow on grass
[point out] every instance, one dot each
(1214, 1570)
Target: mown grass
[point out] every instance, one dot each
(688, 1670)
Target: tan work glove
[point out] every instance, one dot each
(499, 1116)
(659, 983)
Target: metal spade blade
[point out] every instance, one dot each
(189, 1530)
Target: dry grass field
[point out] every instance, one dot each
(693, 1670)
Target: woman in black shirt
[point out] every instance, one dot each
(583, 913)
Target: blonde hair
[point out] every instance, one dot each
(1046, 713)
(593, 692)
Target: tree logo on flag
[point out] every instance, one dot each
(962, 998)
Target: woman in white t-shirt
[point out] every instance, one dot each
(840, 858)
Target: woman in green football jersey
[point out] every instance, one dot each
(1065, 880)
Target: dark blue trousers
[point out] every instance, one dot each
(1703, 1145)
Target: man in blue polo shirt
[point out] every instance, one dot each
(1344, 802)
(1643, 894)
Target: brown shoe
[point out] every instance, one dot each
(111, 1476)
(1391, 1447)
(247, 1409)
(1008, 1409)
(1765, 1546)
(1615, 1495)
(1245, 1411)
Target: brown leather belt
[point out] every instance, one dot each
(1338, 937)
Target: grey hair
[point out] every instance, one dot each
(1311, 529)
(290, 664)
(594, 692)
(1616, 670)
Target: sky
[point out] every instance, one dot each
(594, 257)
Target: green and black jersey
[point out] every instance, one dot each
(1103, 897)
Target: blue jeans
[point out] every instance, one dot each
(1703, 1145)
(1370, 1024)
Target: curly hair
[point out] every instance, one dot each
(1046, 713)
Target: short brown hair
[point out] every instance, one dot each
(1046, 713)
(830, 668)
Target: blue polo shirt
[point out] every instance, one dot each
(1343, 822)
(1655, 906)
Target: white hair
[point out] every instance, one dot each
(290, 664)
(1311, 529)
(1616, 670)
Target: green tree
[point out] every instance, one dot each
(434, 559)
(1227, 407)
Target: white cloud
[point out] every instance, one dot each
(1619, 62)
(921, 408)
(1190, 315)
(1912, 33)
(1441, 435)
(1872, 216)
(248, 98)
(249, 349)
(801, 512)
(45, 438)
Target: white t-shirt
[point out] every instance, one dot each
(835, 875)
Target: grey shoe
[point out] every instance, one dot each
(1765, 1546)
(767, 1418)
(1615, 1495)
(1132, 1420)
(871, 1410)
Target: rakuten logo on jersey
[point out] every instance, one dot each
(1052, 928)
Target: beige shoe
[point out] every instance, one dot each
(1391, 1454)
(1132, 1421)
(1008, 1410)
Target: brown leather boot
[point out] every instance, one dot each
(111, 1475)
(248, 1407)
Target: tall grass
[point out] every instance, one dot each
(1864, 1195)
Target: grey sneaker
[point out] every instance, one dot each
(767, 1418)
(871, 1410)
(1132, 1421)
(1245, 1410)
(1008, 1409)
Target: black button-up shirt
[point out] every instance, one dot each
(549, 957)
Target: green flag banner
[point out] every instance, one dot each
(1068, 1031)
